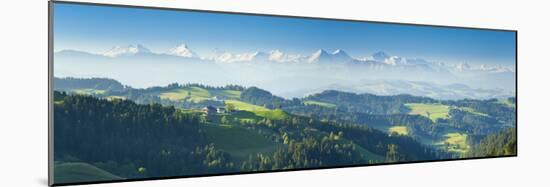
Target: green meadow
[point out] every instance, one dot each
(399, 130)
(89, 91)
(323, 104)
(432, 111)
(248, 143)
(473, 111)
(194, 94)
(455, 142)
(276, 114)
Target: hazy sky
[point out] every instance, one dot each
(97, 29)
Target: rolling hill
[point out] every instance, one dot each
(72, 172)
(248, 143)
(256, 125)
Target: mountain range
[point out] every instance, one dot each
(292, 75)
(378, 60)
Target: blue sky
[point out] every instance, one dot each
(98, 28)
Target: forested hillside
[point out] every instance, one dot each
(500, 144)
(134, 140)
(191, 129)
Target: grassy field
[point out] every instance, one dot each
(194, 94)
(175, 95)
(242, 115)
(276, 114)
(399, 130)
(232, 94)
(197, 94)
(432, 111)
(80, 172)
(473, 111)
(455, 142)
(88, 91)
(507, 103)
(239, 105)
(323, 104)
(238, 141)
(112, 97)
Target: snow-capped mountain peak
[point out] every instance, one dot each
(125, 51)
(279, 56)
(223, 57)
(380, 56)
(257, 56)
(324, 57)
(318, 56)
(260, 56)
(338, 52)
(276, 55)
(462, 67)
(183, 51)
(340, 56)
(394, 61)
(495, 68)
(320, 52)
